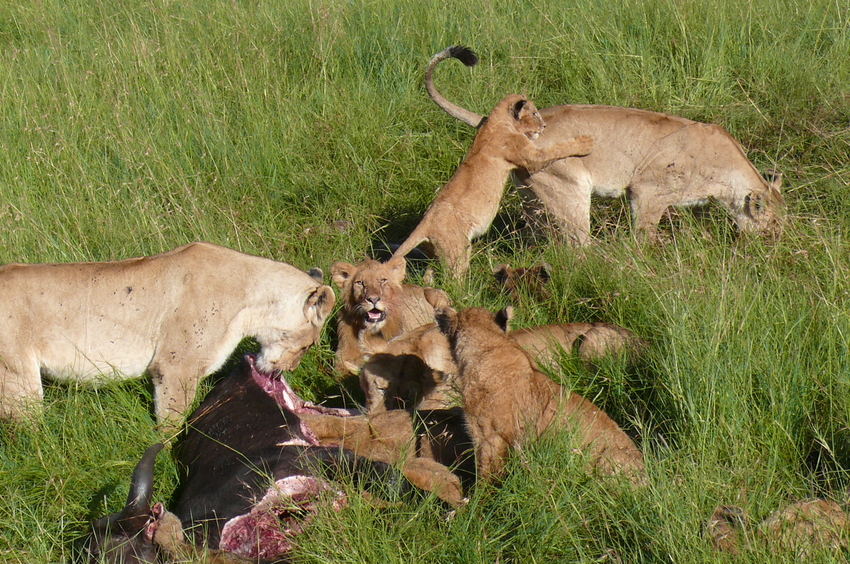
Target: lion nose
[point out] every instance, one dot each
(373, 299)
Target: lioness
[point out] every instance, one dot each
(658, 159)
(509, 402)
(467, 204)
(177, 315)
(377, 306)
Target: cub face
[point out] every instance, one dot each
(527, 119)
(369, 290)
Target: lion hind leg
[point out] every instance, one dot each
(455, 256)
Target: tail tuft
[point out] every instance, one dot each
(463, 54)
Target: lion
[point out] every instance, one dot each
(658, 160)
(466, 206)
(533, 280)
(588, 341)
(508, 402)
(377, 307)
(806, 526)
(177, 316)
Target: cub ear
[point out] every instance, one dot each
(774, 178)
(544, 272)
(502, 273)
(341, 272)
(319, 304)
(503, 318)
(398, 268)
(438, 299)
(317, 274)
(755, 204)
(518, 107)
(446, 319)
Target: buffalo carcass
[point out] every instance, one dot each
(255, 474)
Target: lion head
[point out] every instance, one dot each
(527, 119)
(370, 291)
(764, 211)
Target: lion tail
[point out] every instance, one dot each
(468, 57)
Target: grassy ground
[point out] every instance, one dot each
(300, 131)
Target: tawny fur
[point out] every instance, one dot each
(508, 402)
(658, 160)
(392, 437)
(532, 280)
(466, 206)
(416, 369)
(169, 537)
(177, 315)
(377, 287)
(806, 526)
(588, 341)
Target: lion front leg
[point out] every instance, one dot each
(540, 158)
(490, 458)
(174, 391)
(566, 196)
(20, 390)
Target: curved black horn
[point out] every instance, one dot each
(141, 486)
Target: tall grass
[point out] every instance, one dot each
(300, 131)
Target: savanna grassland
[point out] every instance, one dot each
(301, 131)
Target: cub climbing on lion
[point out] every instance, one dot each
(658, 160)
(467, 204)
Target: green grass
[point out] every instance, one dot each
(130, 128)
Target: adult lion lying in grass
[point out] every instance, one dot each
(657, 159)
(177, 315)
(508, 402)
(467, 204)
(377, 306)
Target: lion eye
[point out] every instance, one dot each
(359, 283)
(383, 281)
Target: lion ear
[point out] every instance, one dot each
(502, 273)
(319, 304)
(317, 274)
(341, 272)
(446, 319)
(437, 299)
(518, 108)
(398, 268)
(503, 318)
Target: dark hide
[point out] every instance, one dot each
(239, 440)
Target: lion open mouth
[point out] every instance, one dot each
(276, 386)
(375, 315)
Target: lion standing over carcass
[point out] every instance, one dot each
(177, 315)
(658, 160)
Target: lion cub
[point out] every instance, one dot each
(508, 402)
(467, 204)
(377, 306)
